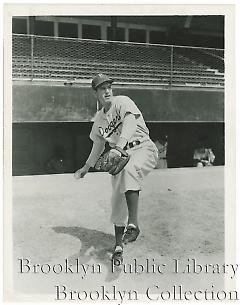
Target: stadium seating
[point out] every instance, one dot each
(74, 60)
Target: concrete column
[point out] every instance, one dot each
(31, 24)
(104, 32)
(126, 34)
(55, 30)
(28, 26)
(79, 30)
(147, 36)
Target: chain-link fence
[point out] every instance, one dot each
(54, 58)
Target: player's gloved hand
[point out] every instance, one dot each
(114, 156)
(80, 173)
(112, 161)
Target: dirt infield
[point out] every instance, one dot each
(57, 218)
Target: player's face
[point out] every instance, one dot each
(104, 93)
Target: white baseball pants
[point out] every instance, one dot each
(143, 160)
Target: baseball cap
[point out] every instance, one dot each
(100, 79)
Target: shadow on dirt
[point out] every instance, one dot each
(95, 245)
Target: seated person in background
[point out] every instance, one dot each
(203, 157)
(58, 163)
(161, 145)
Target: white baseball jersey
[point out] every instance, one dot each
(109, 125)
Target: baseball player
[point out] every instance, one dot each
(121, 124)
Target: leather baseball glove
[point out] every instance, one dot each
(112, 161)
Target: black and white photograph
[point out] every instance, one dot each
(118, 125)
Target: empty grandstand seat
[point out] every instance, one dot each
(54, 58)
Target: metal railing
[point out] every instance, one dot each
(57, 58)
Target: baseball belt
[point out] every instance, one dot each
(132, 144)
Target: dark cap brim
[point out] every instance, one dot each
(95, 86)
(106, 81)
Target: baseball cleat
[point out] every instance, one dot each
(131, 234)
(117, 256)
